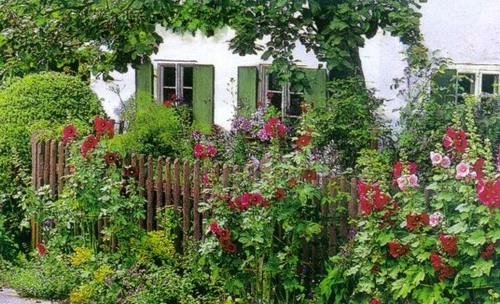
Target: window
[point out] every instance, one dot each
(284, 98)
(477, 79)
(175, 83)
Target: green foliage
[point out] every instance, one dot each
(45, 277)
(152, 128)
(350, 121)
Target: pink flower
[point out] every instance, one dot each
(463, 170)
(436, 158)
(401, 183)
(413, 179)
(445, 162)
(435, 218)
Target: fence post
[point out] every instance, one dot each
(186, 208)
(196, 200)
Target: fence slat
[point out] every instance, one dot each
(149, 193)
(332, 214)
(60, 167)
(186, 200)
(46, 163)
(159, 186)
(344, 219)
(196, 199)
(168, 183)
(353, 202)
(225, 176)
(33, 161)
(177, 191)
(53, 167)
(142, 182)
(39, 168)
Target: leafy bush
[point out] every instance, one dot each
(154, 128)
(350, 122)
(45, 277)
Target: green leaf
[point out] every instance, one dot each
(476, 238)
(458, 228)
(481, 267)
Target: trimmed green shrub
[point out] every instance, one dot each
(41, 103)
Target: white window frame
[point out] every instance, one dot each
(285, 91)
(479, 70)
(179, 78)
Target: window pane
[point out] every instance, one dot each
(276, 99)
(168, 94)
(273, 83)
(188, 77)
(295, 101)
(169, 76)
(466, 83)
(187, 97)
(488, 83)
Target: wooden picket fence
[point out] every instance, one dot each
(178, 183)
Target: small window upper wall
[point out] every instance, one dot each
(475, 79)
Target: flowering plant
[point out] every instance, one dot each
(260, 224)
(440, 245)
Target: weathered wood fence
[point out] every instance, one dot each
(178, 183)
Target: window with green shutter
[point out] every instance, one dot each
(203, 95)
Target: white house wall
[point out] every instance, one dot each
(466, 31)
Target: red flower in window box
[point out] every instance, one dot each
(168, 103)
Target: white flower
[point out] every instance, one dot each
(435, 218)
(413, 179)
(401, 183)
(462, 170)
(446, 162)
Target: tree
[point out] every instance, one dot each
(107, 35)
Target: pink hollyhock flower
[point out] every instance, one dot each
(413, 179)
(436, 158)
(401, 183)
(435, 218)
(463, 170)
(199, 151)
(214, 228)
(446, 162)
(211, 151)
(374, 301)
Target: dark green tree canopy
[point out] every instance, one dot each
(106, 35)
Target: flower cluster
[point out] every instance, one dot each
(202, 151)
(104, 127)
(435, 218)
(303, 140)
(439, 160)
(442, 269)
(488, 252)
(273, 128)
(415, 221)
(88, 145)
(224, 237)
(405, 176)
(371, 198)
(247, 200)
(397, 249)
(455, 140)
(488, 192)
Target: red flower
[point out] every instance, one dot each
(274, 127)
(309, 175)
(478, 168)
(398, 169)
(457, 139)
(374, 301)
(88, 145)
(111, 158)
(414, 221)
(365, 206)
(129, 172)
(256, 199)
(214, 227)
(445, 272)
(199, 151)
(412, 168)
(168, 103)
(396, 249)
(291, 183)
(99, 124)
(69, 132)
(436, 261)
(488, 193)
(449, 244)
(41, 248)
(303, 141)
(211, 151)
(223, 234)
(279, 194)
(227, 245)
(488, 252)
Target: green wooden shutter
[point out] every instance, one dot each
(443, 86)
(247, 90)
(316, 93)
(144, 80)
(203, 96)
